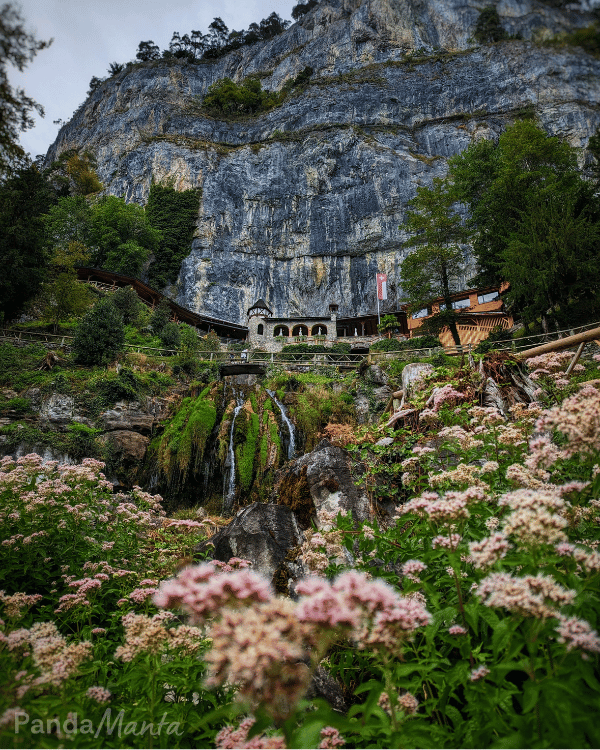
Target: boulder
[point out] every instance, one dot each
(131, 446)
(265, 534)
(320, 480)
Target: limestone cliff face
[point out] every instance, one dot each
(302, 205)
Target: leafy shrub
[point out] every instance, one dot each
(170, 336)
(225, 97)
(17, 405)
(100, 335)
(161, 315)
(396, 345)
(82, 440)
(488, 27)
(128, 304)
(497, 334)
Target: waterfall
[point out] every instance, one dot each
(290, 426)
(229, 484)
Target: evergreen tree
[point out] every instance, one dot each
(161, 315)
(170, 336)
(488, 28)
(128, 304)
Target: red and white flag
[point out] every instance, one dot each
(381, 286)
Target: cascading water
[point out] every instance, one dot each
(229, 484)
(290, 426)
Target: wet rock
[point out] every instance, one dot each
(264, 534)
(320, 480)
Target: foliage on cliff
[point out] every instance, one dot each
(180, 449)
(173, 213)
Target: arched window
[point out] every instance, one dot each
(281, 331)
(260, 329)
(319, 330)
(300, 331)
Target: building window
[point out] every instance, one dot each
(319, 330)
(489, 297)
(460, 303)
(300, 331)
(420, 313)
(260, 329)
(281, 331)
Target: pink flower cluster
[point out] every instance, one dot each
(578, 418)
(150, 635)
(412, 568)
(15, 605)
(200, 591)
(447, 394)
(446, 510)
(578, 634)
(229, 737)
(529, 596)
(488, 551)
(54, 659)
(406, 703)
(98, 694)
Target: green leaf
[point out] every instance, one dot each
(307, 735)
(531, 691)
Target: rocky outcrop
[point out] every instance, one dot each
(303, 204)
(265, 535)
(59, 411)
(320, 480)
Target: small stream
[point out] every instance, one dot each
(291, 429)
(229, 484)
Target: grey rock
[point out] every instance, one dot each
(321, 480)
(58, 411)
(376, 375)
(382, 395)
(130, 416)
(302, 205)
(361, 406)
(385, 441)
(8, 394)
(35, 397)
(261, 533)
(412, 377)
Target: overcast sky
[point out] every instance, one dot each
(90, 35)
